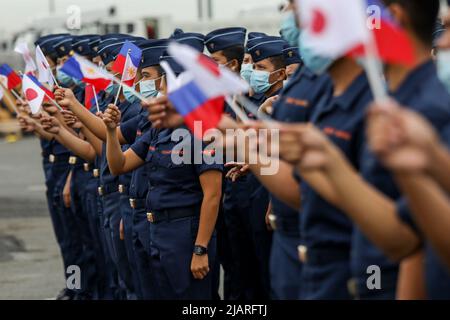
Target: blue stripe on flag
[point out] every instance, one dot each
(187, 98)
(72, 68)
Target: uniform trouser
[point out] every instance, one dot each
(141, 245)
(224, 259)
(116, 247)
(65, 223)
(325, 275)
(105, 267)
(171, 248)
(285, 267)
(244, 260)
(89, 274)
(262, 240)
(127, 218)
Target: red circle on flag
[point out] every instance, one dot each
(319, 21)
(30, 94)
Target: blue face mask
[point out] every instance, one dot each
(259, 81)
(316, 63)
(289, 30)
(148, 88)
(246, 71)
(63, 78)
(112, 88)
(443, 68)
(129, 95)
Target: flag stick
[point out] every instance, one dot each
(17, 95)
(118, 94)
(54, 102)
(5, 95)
(95, 97)
(54, 79)
(238, 111)
(251, 107)
(133, 91)
(373, 71)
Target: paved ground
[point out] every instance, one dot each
(30, 264)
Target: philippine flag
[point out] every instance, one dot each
(393, 43)
(8, 77)
(33, 93)
(202, 95)
(84, 70)
(127, 62)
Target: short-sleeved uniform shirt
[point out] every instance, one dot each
(171, 184)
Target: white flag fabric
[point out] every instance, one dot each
(211, 79)
(43, 67)
(32, 93)
(22, 48)
(333, 27)
(129, 72)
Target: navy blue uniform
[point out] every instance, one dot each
(173, 202)
(326, 232)
(133, 130)
(422, 92)
(295, 104)
(112, 214)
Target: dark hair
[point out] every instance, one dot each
(235, 52)
(423, 15)
(278, 61)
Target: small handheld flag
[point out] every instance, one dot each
(127, 62)
(33, 93)
(44, 70)
(8, 77)
(84, 70)
(22, 48)
(90, 97)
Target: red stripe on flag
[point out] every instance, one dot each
(208, 113)
(119, 64)
(209, 64)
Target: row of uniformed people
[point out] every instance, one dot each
(364, 227)
(101, 218)
(341, 236)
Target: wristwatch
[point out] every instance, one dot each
(200, 251)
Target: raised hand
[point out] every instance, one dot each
(50, 124)
(162, 114)
(111, 117)
(402, 139)
(64, 97)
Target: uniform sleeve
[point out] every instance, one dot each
(141, 145)
(208, 163)
(129, 128)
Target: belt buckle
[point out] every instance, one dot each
(100, 191)
(273, 221)
(133, 203)
(72, 160)
(51, 158)
(121, 188)
(96, 173)
(303, 253)
(150, 217)
(352, 287)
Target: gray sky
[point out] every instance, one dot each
(20, 11)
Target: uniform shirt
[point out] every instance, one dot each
(171, 185)
(128, 111)
(342, 119)
(295, 104)
(422, 92)
(133, 130)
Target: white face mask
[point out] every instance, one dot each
(443, 67)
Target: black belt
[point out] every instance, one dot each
(108, 188)
(320, 256)
(137, 203)
(58, 159)
(173, 214)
